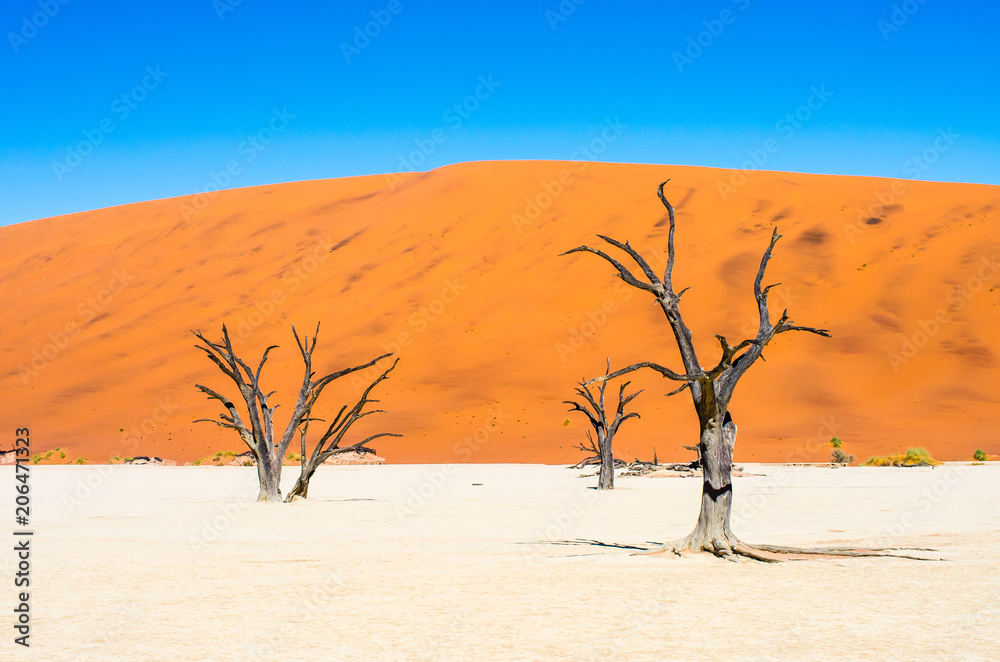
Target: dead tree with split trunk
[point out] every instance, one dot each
(257, 431)
(711, 391)
(603, 428)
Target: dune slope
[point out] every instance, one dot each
(458, 271)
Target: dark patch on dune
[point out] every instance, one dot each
(973, 352)
(887, 322)
(353, 278)
(356, 276)
(761, 206)
(873, 220)
(848, 344)
(375, 329)
(756, 229)
(889, 210)
(343, 242)
(815, 236)
(733, 271)
(331, 206)
(684, 200)
(957, 212)
(269, 228)
(784, 213)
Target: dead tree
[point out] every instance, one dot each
(598, 417)
(329, 444)
(257, 431)
(711, 391)
(594, 458)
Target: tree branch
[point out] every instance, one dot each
(668, 273)
(666, 372)
(623, 272)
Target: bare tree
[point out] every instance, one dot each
(257, 432)
(711, 392)
(598, 417)
(329, 444)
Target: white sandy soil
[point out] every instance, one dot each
(415, 562)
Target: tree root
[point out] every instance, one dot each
(733, 550)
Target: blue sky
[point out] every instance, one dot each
(113, 102)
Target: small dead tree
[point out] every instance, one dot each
(711, 391)
(328, 445)
(598, 417)
(257, 431)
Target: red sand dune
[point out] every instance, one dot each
(460, 272)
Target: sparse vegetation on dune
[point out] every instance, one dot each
(218, 459)
(914, 457)
(49, 457)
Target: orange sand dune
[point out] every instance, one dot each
(458, 270)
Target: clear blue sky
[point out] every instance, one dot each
(223, 68)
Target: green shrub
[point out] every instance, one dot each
(914, 457)
(979, 455)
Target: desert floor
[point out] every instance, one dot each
(417, 562)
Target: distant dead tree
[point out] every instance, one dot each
(257, 432)
(605, 430)
(711, 391)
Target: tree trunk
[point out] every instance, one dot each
(606, 480)
(301, 488)
(269, 473)
(712, 533)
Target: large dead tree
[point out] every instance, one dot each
(605, 430)
(257, 431)
(711, 391)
